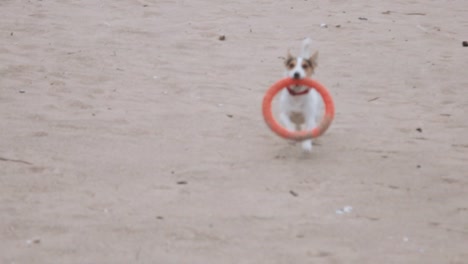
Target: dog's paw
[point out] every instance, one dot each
(307, 146)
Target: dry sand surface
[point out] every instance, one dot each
(130, 133)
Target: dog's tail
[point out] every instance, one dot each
(305, 49)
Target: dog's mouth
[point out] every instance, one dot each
(297, 88)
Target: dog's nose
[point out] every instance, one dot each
(296, 75)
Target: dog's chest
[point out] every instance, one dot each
(296, 103)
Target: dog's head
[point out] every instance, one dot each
(299, 68)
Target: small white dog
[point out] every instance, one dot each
(299, 105)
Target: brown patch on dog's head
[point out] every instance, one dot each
(310, 64)
(290, 61)
(308, 67)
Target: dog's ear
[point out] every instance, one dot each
(314, 59)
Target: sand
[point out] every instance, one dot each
(130, 133)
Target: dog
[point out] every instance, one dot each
(300, 106)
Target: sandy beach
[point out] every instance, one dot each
(131, 133)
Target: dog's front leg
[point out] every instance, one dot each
(310, 124)
(307, 145)
(286, 121)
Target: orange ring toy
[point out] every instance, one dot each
(297, 135)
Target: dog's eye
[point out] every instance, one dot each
(291, 66)
(305, 66)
